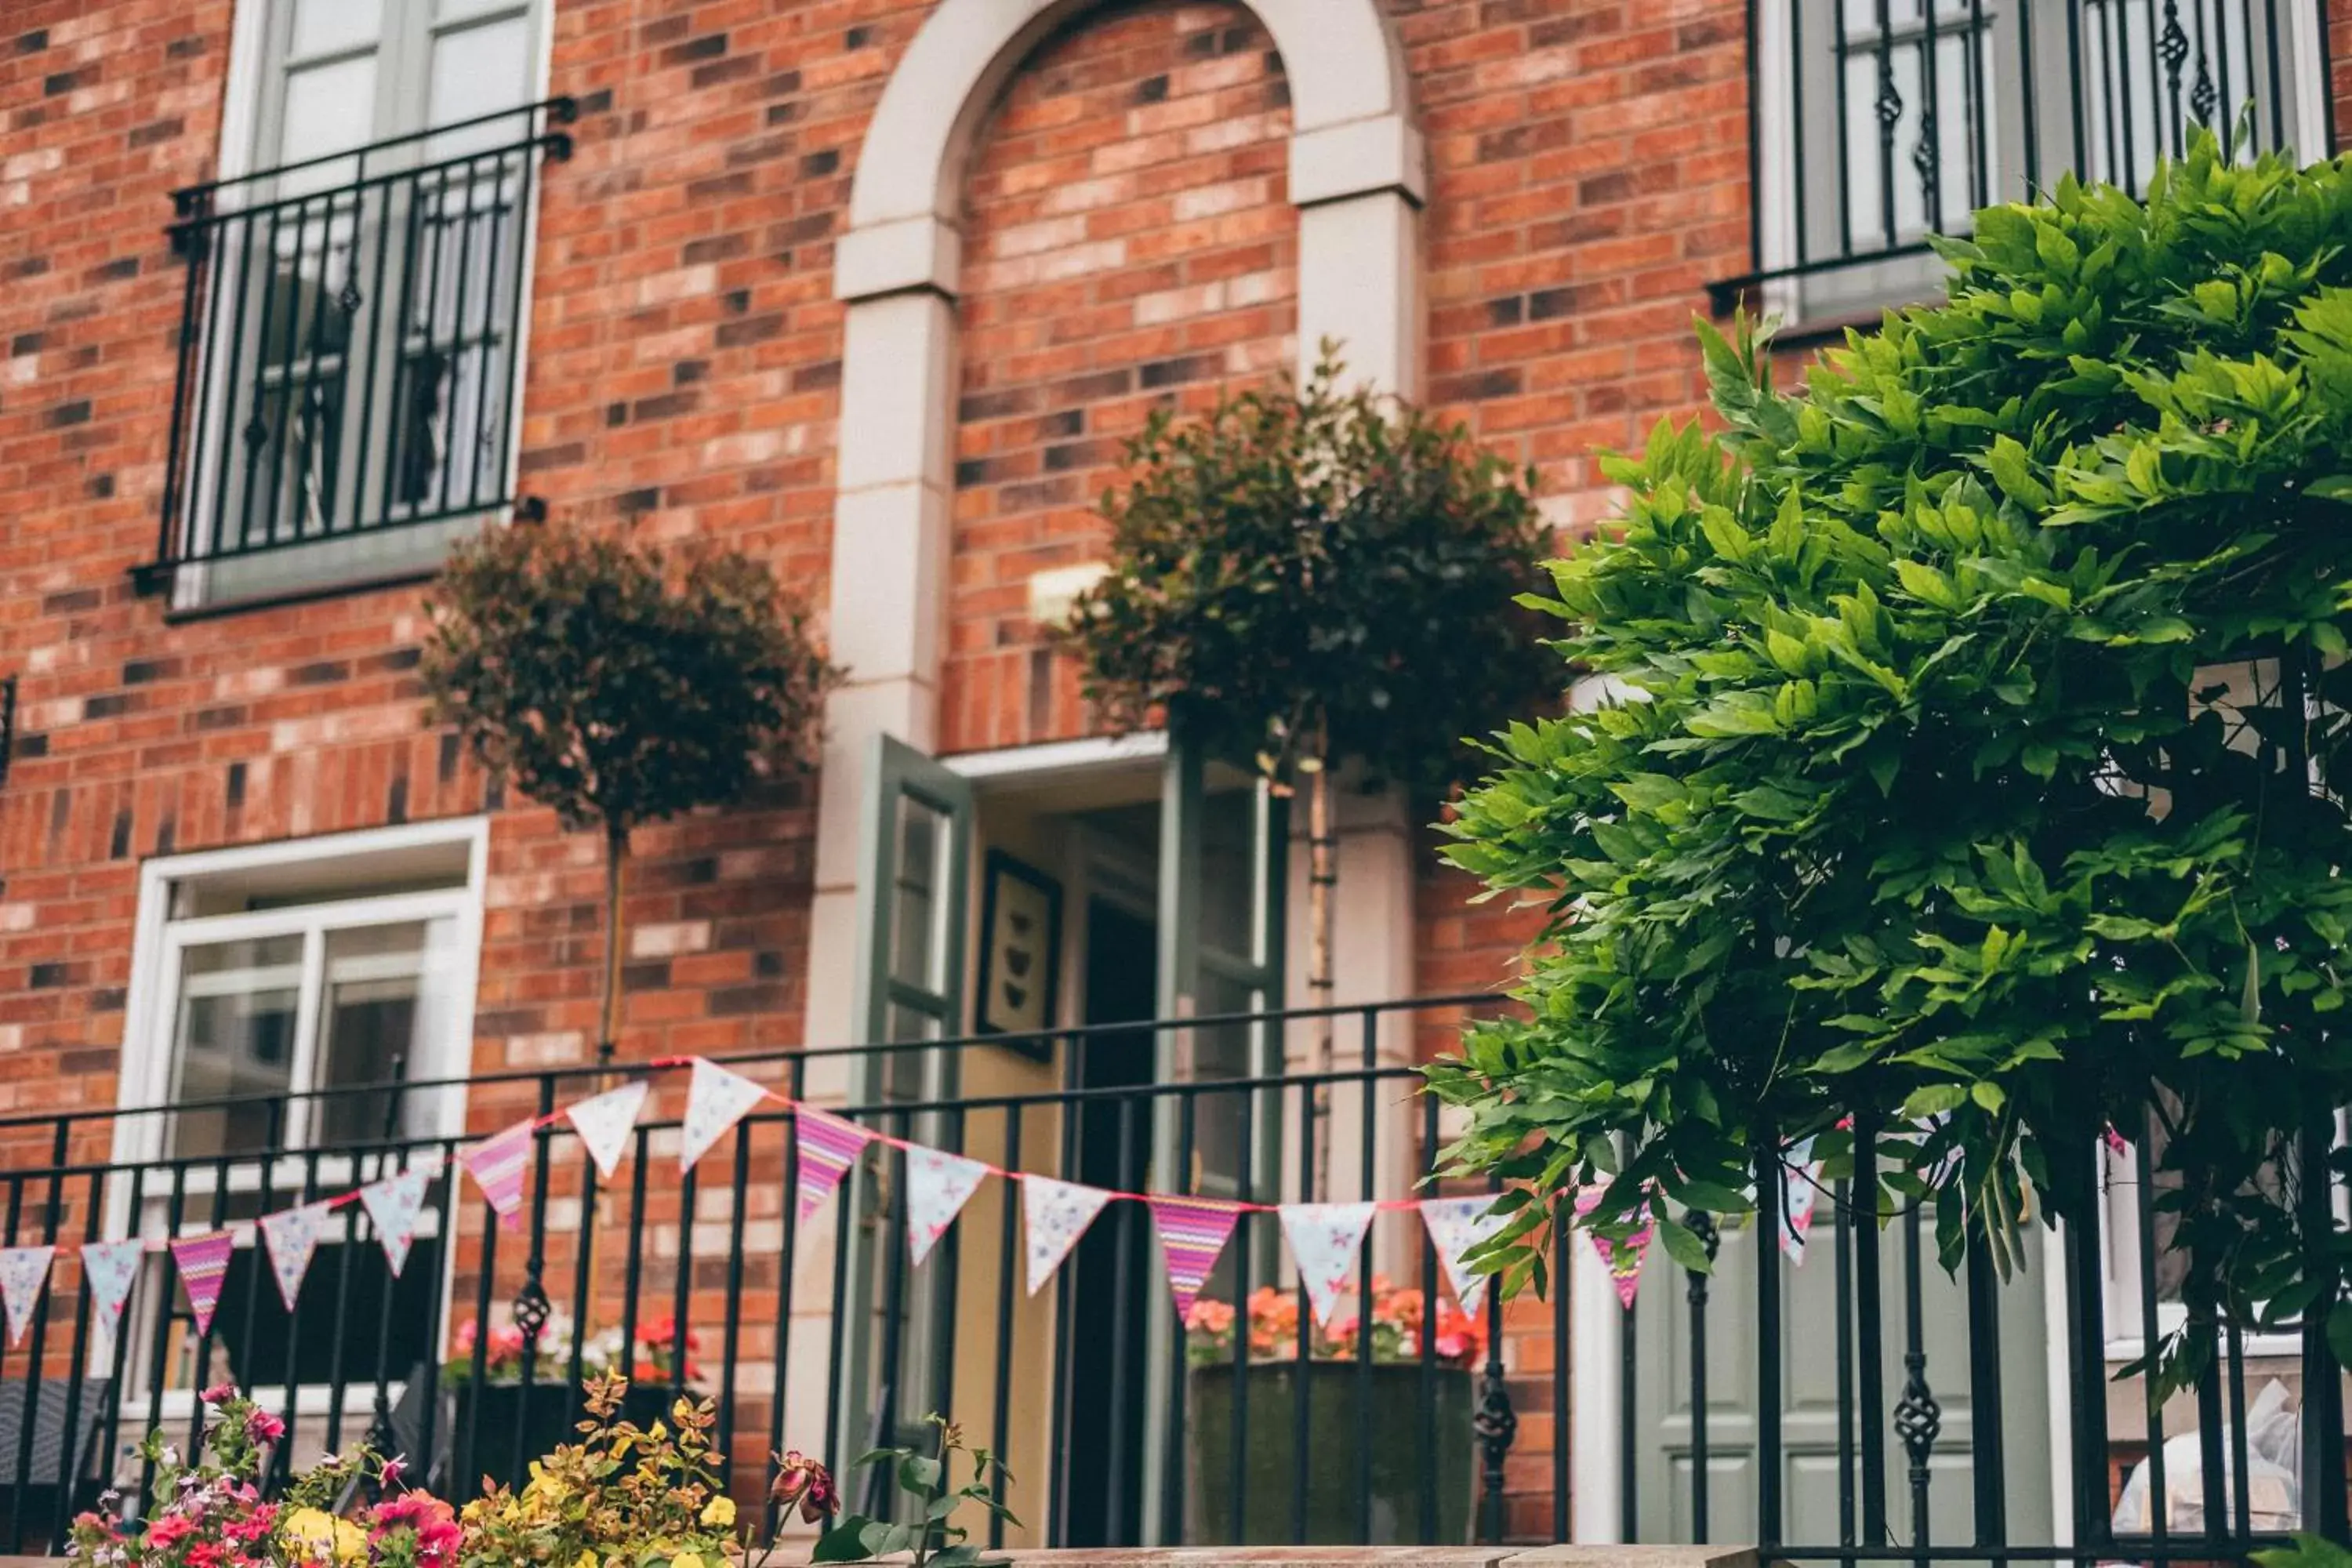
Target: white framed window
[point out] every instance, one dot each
(362, 272)
(289, 1004)
(1881, 121)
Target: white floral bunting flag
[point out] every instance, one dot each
(394, 1204)
(1324, 1240)
(1053, 1215)
(109, 1269)
(604, 1123)
(716, 1100)
(1801, 1189)
(1455, 1226)
(938, 1186)
(24, 1274)
(497, 1165)
(290, 1236)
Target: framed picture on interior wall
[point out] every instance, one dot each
(1020, 953)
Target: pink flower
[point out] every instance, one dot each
(168, 1531)
(264, 1427)
(392, 1469)
(218, 1393)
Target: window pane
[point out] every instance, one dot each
(923, 838)
(475, 72)
(329, 109)
(235, 1037)
(324, 25)
(367, 1028)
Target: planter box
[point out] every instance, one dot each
(556, 1412)
(1394, 1426)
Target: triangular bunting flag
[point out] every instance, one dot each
(828, 1147)
(1456, 1225)
(1801, 1188)
(1192, 1231)
(24, 1274)
(497, 1165)
(716, 1100)
(1623, 1259)
(606, 1121)
(290, 1236)
(1325, 1240)
(1053, 1214)
(394, 1204)
(109, 1269)
(203, 1262)
(938, 1186)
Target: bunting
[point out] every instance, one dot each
(716, 1100)
(605, 1123)
(109, 1269)
(1456, 1226)
(1623, 1259)
(1801, 1189)
(828, 1147)
(938, 1186)
(394, 1204)
(497, 1165)
(1192, 1231)
(1053, 1215)
(203, 1262)
(24, 1273)
(289, 1239)
(1325, 1240)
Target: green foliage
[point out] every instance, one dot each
(925, 1479)
(1944, 792)
(615, 685)
(1304, 575)
(2308, 1552)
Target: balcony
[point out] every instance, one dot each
(1873, 123)
(348, 358)
(1837, 1397)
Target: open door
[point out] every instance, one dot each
(909, 990)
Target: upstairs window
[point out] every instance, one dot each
(350, 359)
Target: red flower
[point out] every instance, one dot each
(169, 1531)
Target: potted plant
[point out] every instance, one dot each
(487, 1412)
(1404, 1448)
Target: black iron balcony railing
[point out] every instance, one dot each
(1843, 1402)
(1873, 123)
(349, 351)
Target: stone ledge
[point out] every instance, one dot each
(1333, 1557)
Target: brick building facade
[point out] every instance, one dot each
(1558, 180)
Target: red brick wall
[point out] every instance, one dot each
(1129, 240)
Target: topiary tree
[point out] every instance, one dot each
(617, 686)
(1303, 577)
(1980, 773)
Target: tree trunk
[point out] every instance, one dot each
(616, 852)
(1322, 914)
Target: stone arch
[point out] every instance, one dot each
(1356, 174)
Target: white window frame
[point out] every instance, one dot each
(151, 1017)
(248, 105)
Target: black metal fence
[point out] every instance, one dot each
(1873, 123)
(1854, 1408)
(349, 343)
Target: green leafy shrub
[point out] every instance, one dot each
(929, 1540)
(1959, 779)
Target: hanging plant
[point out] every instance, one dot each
(617, 686)
(1980, 773)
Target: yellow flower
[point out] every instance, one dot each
(719, 1512)
(317, 1536)
(686, 1560)
(587, 1560)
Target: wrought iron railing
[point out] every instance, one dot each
(349, 349)
(1873, 123)
(1847, 1407)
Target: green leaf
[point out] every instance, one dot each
(845, 1542)
(1684, 1245)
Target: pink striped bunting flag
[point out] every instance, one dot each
(497, 1165)
(828, 1147)
(1192, 1232)
(203, 1262)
